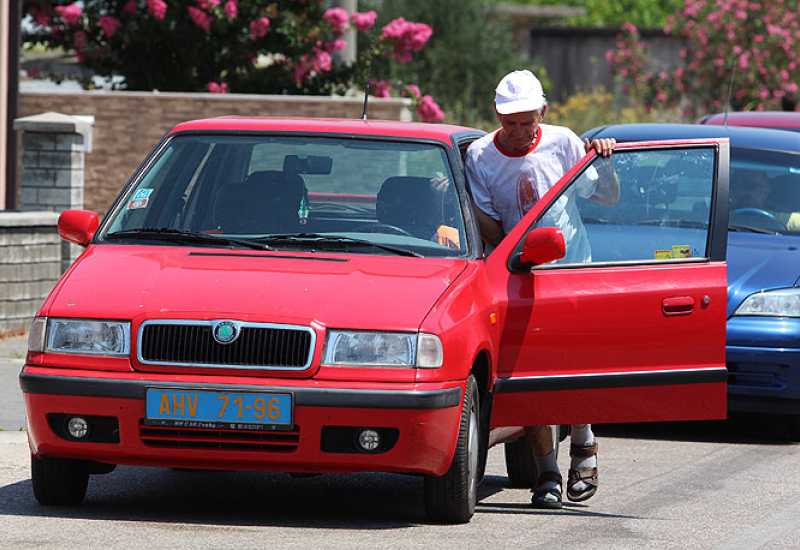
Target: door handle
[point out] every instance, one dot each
(678, 305)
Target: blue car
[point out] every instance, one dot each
(763, 327)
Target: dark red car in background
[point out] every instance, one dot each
(778, 120)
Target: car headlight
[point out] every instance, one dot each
(383, 349)
(784, 302)
(88, 337)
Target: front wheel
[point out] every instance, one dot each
(59, 481)
(451, 498)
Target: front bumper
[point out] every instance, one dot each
(763, 360)
(425, 418)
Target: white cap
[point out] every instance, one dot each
(518, 92)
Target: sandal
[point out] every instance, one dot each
(586, 475)
(549, 499)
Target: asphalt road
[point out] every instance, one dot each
(727, 485)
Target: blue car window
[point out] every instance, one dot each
(662, 213)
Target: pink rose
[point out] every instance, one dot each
(333, 45)
(129, 7)
(109, 25)
(40, 16)
(71, 13)
(412, 90)
(200, 18)
(322, 61)
(407, 37)
(428, 110)
(208, 5)
(259, 28)
(231, 9)
(158, 9)
(381, 88)
(337, 18)
(217, 87)
(364, 21)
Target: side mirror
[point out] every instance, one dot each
(542, 245)
(78, 226)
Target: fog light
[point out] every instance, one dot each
(77, 427)
(369, 440)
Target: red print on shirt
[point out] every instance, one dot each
(526, 194)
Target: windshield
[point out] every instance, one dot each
(765, 191)
(290, 192)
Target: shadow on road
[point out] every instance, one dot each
(367, 501)
(242, 499)
(741, 428)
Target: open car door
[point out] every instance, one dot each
(629, 325)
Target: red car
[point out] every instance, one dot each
(778, 120)
(313, 296)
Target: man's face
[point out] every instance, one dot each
(520, 128)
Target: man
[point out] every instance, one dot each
(508, 171)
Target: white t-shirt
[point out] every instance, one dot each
(505, 186)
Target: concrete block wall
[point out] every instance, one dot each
(30, 264)
(128, 124)
(52, 171)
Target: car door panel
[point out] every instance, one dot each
(625, 338)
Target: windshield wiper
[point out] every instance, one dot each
(320, 238)
(751, 229)
(189, 237)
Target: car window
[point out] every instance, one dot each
(394, 193)
(662, 213)
(765, 191)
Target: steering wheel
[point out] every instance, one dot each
(756, 211)
(769, 218)
(382, 228)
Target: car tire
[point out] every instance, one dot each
(485, 418)
(520, 464)
(451, 498)
(789, 427)
(59, 481)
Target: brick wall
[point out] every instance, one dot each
(128, 124)
(30, 264)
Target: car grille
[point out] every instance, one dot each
(190, 343)
(219, 439)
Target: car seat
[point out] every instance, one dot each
(410, 203)
(267, 202)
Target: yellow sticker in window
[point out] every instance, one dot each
(681, 251)
(663, 254)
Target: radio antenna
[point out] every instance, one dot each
(730, 91)
(366, 101)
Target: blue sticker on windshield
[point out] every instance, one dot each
(142, 194)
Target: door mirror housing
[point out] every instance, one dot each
(542, 245)
(78, 226)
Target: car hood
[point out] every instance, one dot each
(334, 290)
(759, 262)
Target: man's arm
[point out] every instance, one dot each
(491, 229)
(607, 190)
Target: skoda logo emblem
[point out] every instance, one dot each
(225, 332)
